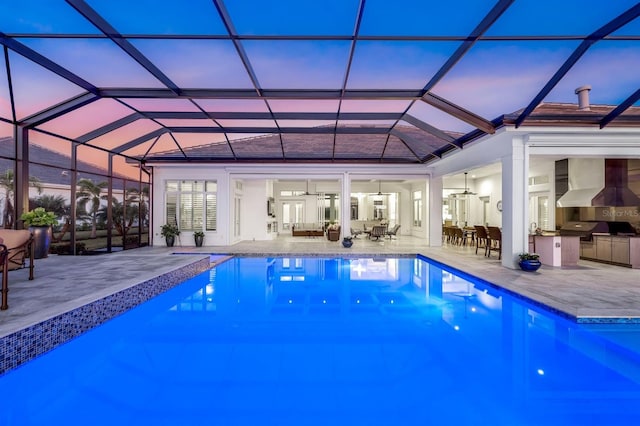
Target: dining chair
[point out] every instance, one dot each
(458, 236)
(495, 241)
(481, 238)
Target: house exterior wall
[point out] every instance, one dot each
(258, 182)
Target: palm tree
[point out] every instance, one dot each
(90, 194)
(7, 182)
(53, 203)
(124, 215)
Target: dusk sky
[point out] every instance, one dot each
(401, 45)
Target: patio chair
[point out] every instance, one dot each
(495, 241)
(378, 231)
(16, 246)
(333, 233)
(5, 280)
(458, 236)
(356, 232)
(481, 238)
(20, 247)
(393, 231)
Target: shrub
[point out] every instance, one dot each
(39, 217)
(529, 256)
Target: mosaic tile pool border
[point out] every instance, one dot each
(26, 344)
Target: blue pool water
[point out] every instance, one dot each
(324, 341)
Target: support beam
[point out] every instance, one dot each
(240, 115)
(59, 110)
(594, 37)
(21, 175)
(620, 108)
(399, 94)
(92, 16)
(109, 127)
(287, 130)
(459, 112)
(34, 56)
(138, 141)
(431, 130)
(412, 144)
(478, 31)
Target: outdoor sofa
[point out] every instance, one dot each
(307, 230)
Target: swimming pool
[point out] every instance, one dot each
(306, 341)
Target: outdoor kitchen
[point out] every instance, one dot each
(597, 202)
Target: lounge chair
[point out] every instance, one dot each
(393, 231)
(378, 231)
(356, 232)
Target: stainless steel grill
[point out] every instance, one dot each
(586, 229)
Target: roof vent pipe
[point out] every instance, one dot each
(583, 98)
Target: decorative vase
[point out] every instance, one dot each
(41, 239)
(199, 240)
(347, 243)
(530, 265)
(170, 240)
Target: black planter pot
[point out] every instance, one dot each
(530, 265)
(199, 240)
(347, 243)
(170, 240)
(42, 240)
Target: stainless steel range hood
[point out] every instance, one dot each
(586, 180)
(598, 182)
(616, 192)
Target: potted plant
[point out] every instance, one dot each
(169, 231)
(529, 261)
(199, 238)
(39, 221)
(347, 241)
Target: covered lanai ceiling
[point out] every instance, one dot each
(326, 81)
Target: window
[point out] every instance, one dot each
(291, 193)
(191, 204)
(539, 180)
(417, 208)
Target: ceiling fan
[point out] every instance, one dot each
(379, 193)
(466, 189)
(307, 191)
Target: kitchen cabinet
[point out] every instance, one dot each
(620, 250)
(617, 249)
(557, 250)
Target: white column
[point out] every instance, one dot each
(515, 202)
(434, 209)
(345, 205)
